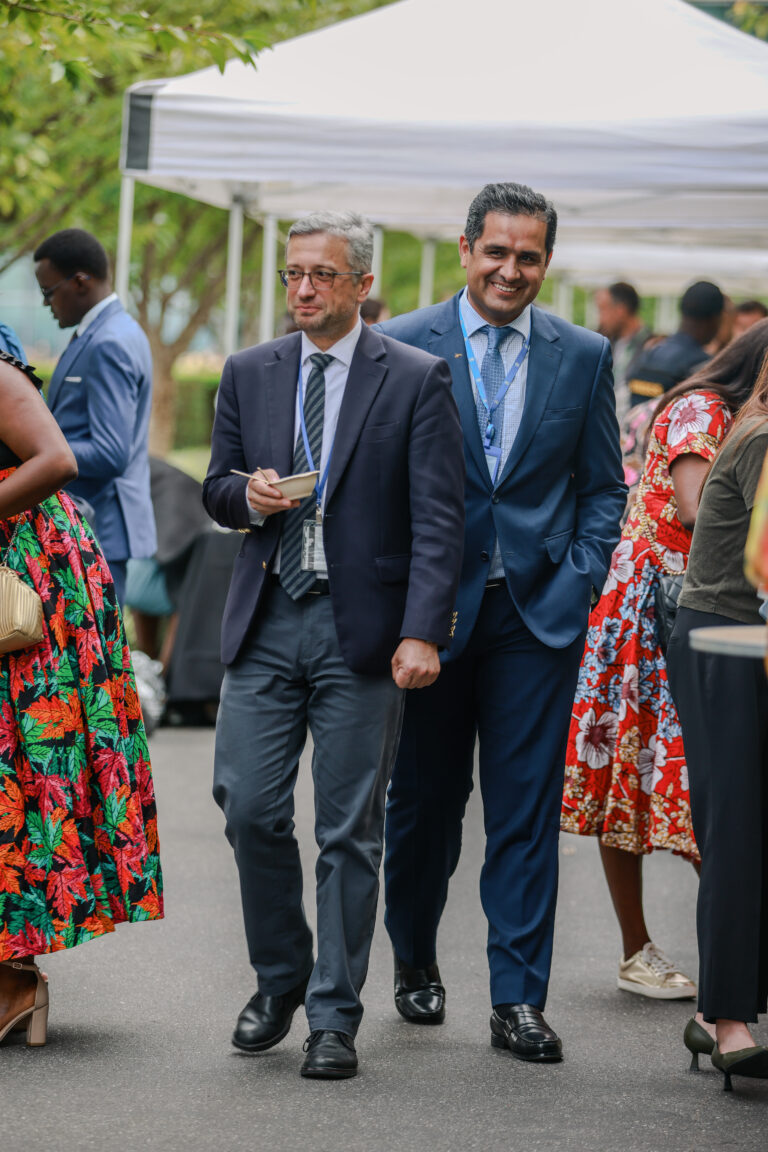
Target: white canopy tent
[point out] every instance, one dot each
(646, 121)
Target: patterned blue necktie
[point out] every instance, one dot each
(492, 372)
(295, 581)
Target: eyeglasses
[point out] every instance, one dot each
(319, 278)
(48, 292)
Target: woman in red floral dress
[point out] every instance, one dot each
(626, 780)
(78, 827)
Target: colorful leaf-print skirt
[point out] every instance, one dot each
(78, 826)
(626, 780)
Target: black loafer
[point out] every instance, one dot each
(524, 1031)
(330, 1056)
(266, 1020)
(419, 995)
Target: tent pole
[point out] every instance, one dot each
(124, 228)
(268, 274)
(378, 259)
(427, 276)
(563, 299)
(665, 314)
(234, 269)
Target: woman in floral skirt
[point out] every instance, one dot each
(626, 780)
(78, 828)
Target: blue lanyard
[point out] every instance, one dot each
(509, 380)
(319, 485)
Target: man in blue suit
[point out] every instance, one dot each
(101, 395)
(544, 496)
(337, 604)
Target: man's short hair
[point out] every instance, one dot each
(355, 229)
(371, 309)
(74, 250)
(624, 294)
(510, 200)
(702, 301)
(750, 306)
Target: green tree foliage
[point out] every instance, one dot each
(752, 18)
(64, 67)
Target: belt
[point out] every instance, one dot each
(322, 587)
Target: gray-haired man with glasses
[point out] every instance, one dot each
(338, 603)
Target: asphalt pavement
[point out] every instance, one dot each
(139, 1053)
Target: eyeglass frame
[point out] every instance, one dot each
(48, 293)
(283, 273)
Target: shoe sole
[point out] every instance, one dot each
(330, 1074)
(655, 993)
(432, 1018)
(533, 1058)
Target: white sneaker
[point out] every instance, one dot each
(650, 973)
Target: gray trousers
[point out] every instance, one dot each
(290, 677)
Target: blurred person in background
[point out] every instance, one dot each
(722, 701)
(747, 313)
(374, 311)
(626, 779)
(618, 312)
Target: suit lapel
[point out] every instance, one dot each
(446, 340)
(74, 350)
(281, 377)
(543, 365)
(366, 374)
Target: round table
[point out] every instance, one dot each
(732, 640)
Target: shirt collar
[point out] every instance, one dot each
(92, 313)
(473, 321)
(343, 350)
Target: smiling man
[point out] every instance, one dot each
(544, 497)
(337, 604)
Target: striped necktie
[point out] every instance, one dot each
(492, 372)
(295, 581)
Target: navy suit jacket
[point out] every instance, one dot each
(557, 503)
(101, 396)
(394, 512)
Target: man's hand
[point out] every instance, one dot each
(415, 664)
(266, 499)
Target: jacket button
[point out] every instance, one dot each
(494, 499)
(484, 555)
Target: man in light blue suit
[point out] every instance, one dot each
(101, 395)
(544, 496)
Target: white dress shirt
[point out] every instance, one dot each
(92, 313)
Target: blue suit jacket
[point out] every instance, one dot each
(394, 513)
(557, 503)
(101, 395)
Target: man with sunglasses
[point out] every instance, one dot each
(101, 396)
(338, 603)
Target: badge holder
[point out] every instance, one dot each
(312, 547)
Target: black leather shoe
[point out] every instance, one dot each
(526, 1033)
(419, 995)
(266, 1020)
(330, 1056)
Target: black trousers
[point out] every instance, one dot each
(722, 702)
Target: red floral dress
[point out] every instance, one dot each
(626, 779)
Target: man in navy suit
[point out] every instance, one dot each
(101, 396)
(337, 604)
(544, 496)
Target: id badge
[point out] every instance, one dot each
(312, 550)
(492, 458)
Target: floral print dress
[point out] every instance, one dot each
(78, 826)
(626, 780)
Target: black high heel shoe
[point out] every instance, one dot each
(698, 1042)
(751, 1062)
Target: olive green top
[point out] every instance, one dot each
(715, 580)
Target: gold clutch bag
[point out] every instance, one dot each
(21, 609)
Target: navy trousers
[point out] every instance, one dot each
(292, 677)
(515, 695)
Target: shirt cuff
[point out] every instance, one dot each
(256, 518)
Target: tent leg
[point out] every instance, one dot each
(378, 260)
(234, 269)
(268, 274)
(124, 228)
(427, 276)
(563, 300)
(665, 317)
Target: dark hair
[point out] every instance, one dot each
(625, 294)
(731, 374)
(371, 309)
(74, 250)
(752, 306)
(702, 301)
(510, 200)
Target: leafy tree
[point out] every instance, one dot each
(64, 66)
